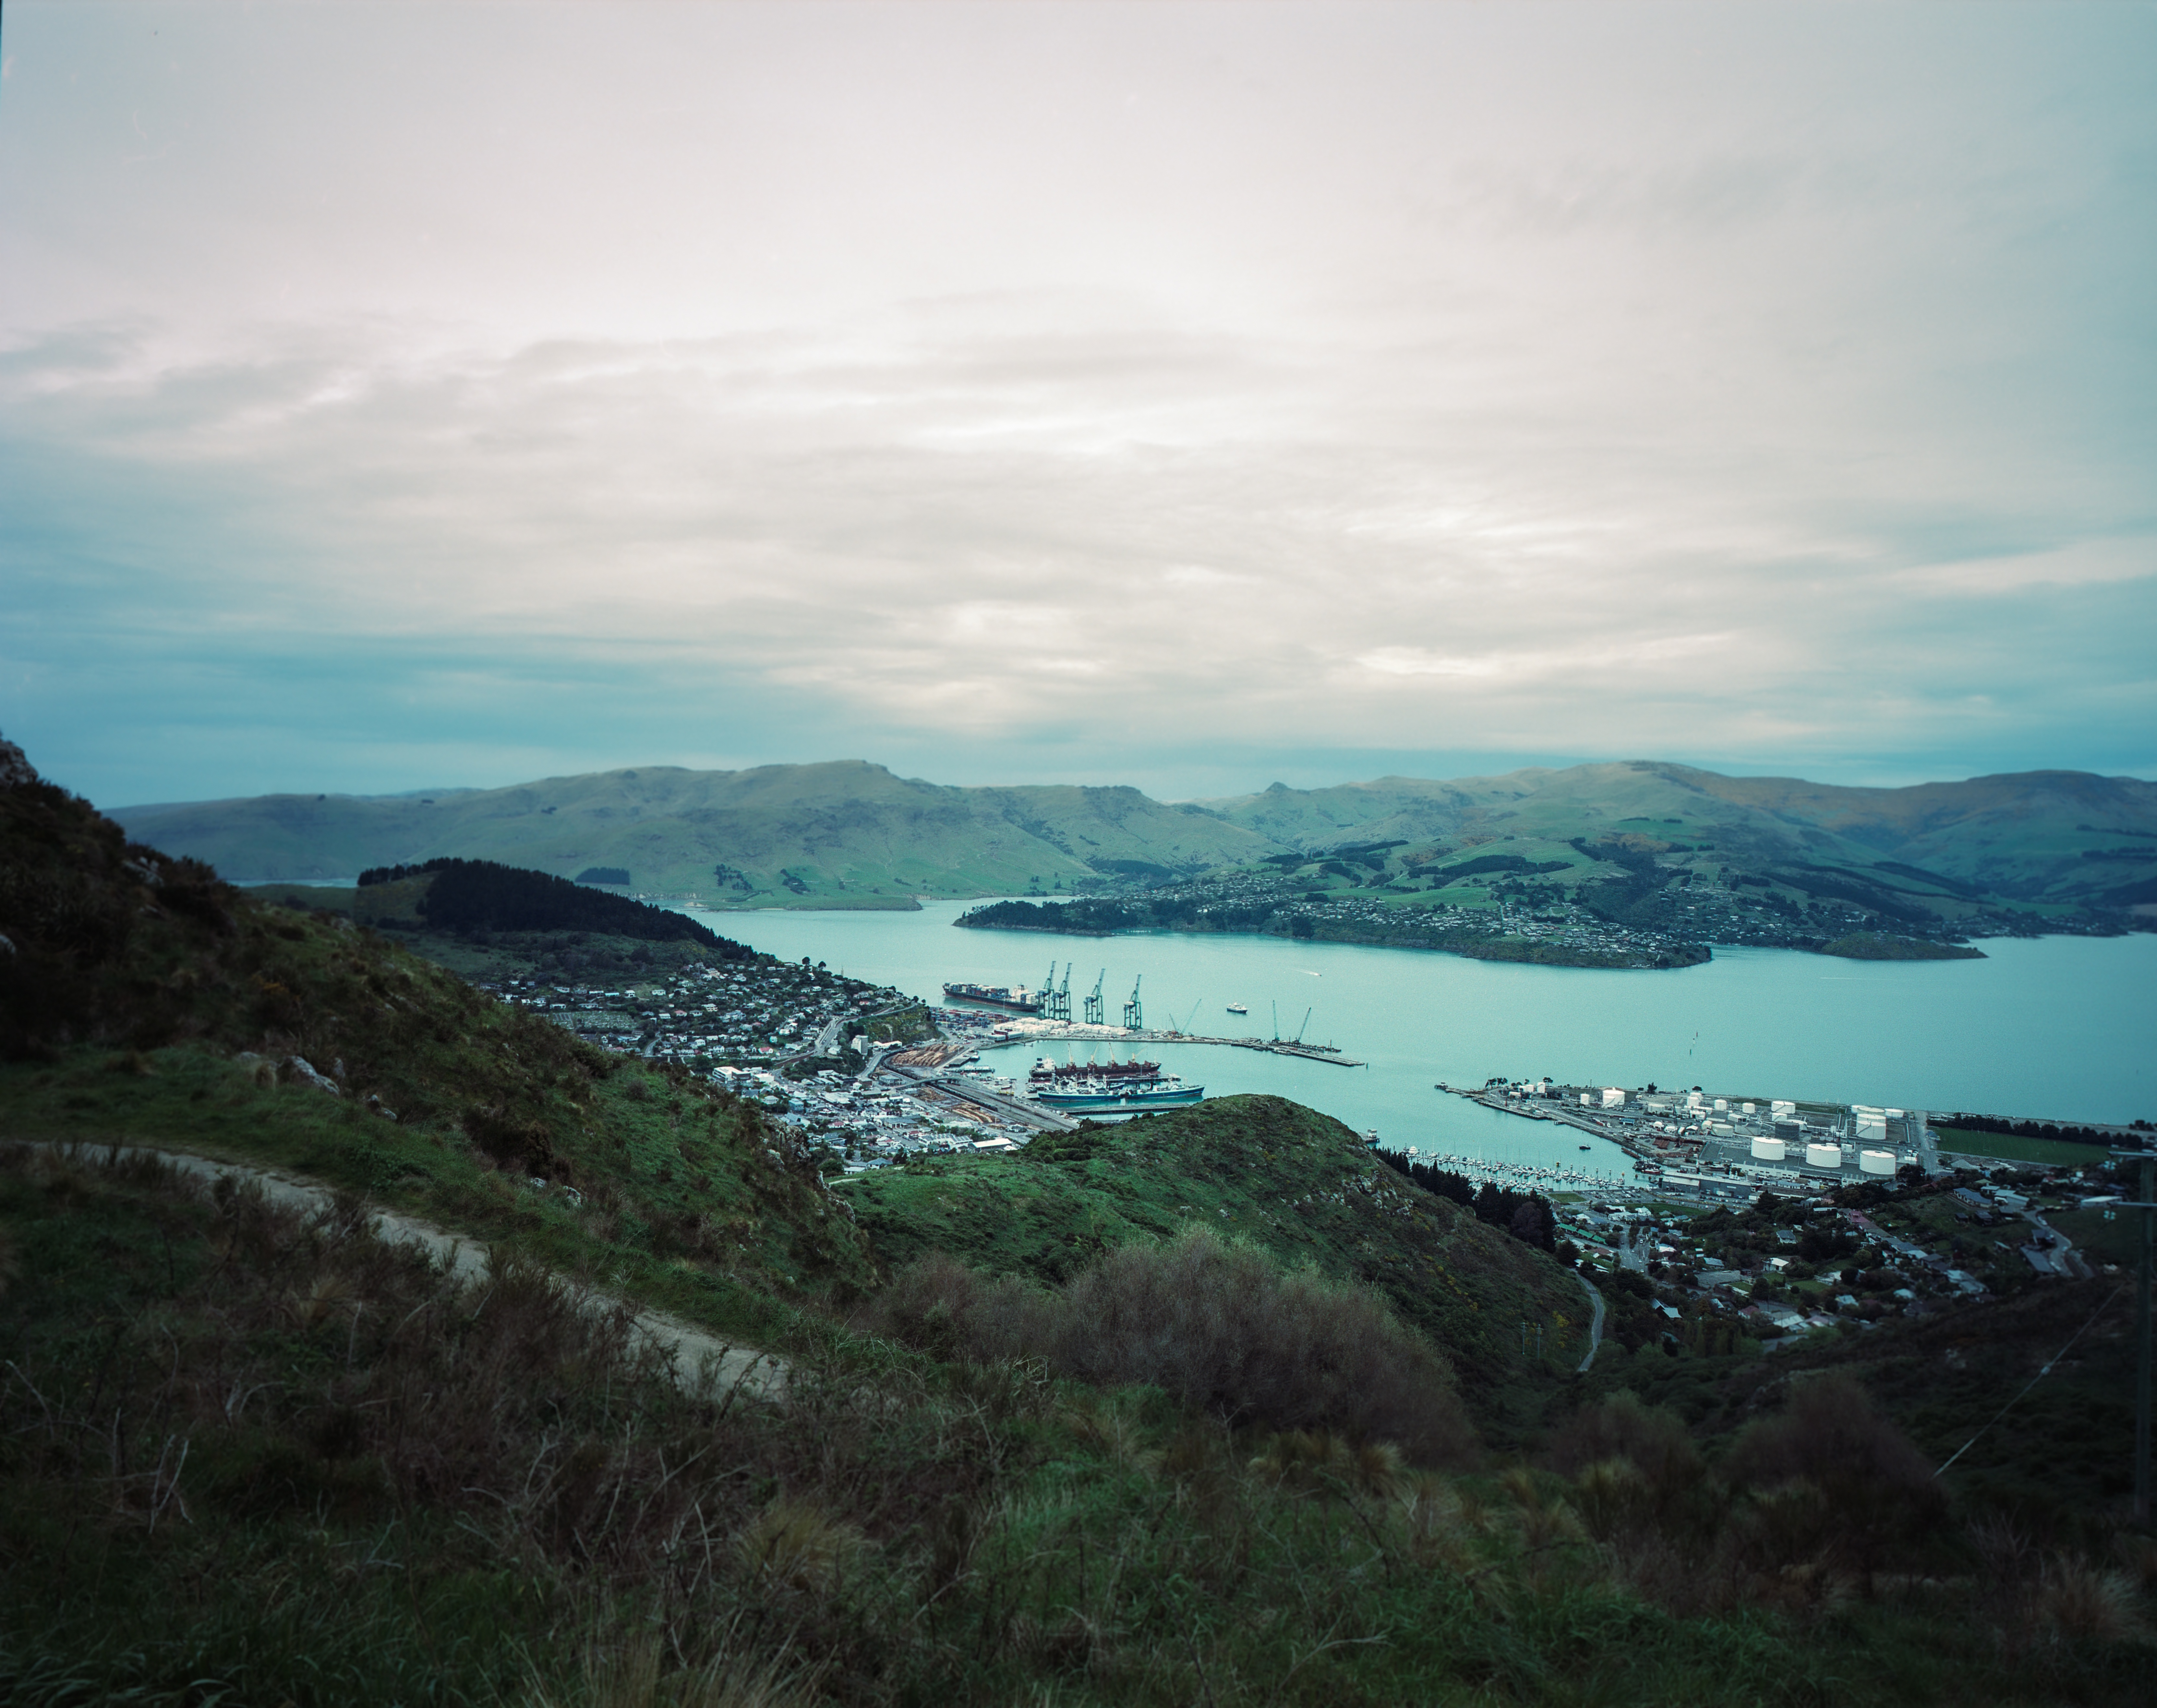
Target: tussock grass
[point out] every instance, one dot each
(251, 1456)
(1216, 1323)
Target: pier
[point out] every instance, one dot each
(994, 1103)
(1117, 1035)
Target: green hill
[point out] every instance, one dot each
(841, 835)
(142, 1000)
(2040, 847)
(2061, 839)
(1294, 1182)
(250, 1452)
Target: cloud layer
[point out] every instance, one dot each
(1183, 393)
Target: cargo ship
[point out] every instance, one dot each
(1053, 1074)
(1104, 1096)
(1015, 997)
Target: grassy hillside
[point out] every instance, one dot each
(1292, 1181)
(250, 1454)
(143, 1001)
(2053, 839)
(2038, 851)
(783, 835)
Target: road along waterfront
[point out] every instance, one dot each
(2050, 1027)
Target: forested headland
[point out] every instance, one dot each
(485, 896)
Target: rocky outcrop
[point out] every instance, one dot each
(16, 770)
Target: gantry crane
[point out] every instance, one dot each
(1056, 1004)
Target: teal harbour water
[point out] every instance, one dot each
(2055, 1027)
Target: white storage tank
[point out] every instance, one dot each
(1823, 1156)
(1771, 1150)
(1875, 1162)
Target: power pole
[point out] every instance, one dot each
(2146, 1201)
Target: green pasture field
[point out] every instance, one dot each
(2006, 1146)
(2119, 1241)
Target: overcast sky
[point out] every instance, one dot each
(1189, 395)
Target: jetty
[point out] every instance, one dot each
(1038, 1033)
(994, 1103)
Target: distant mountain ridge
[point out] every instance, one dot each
(848, 833)
(843, 831)
(2022, 835)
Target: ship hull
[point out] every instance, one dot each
(992, 996)
(1121, 1099)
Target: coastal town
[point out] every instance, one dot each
(1736, 1217)
(854, 1067)
(1777, 1217)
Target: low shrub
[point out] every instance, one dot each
(1219, 1325)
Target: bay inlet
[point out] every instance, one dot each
(2050, 1027)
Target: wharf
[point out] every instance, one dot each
(1116, 1034)
(1563, 1117)
(1660, 1180)
(1005, 1108)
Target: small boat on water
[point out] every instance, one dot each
(1237, 1008)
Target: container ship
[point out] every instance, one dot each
(1015, 997)
(1120, 1096)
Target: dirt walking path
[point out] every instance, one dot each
(1595, 1322)
(699, 1358)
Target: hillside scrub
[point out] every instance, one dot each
(1217, 1326)
(142, 1000)
(249, 1455)
(1297, 1184)
(1825, 1482)
(253, 1455)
